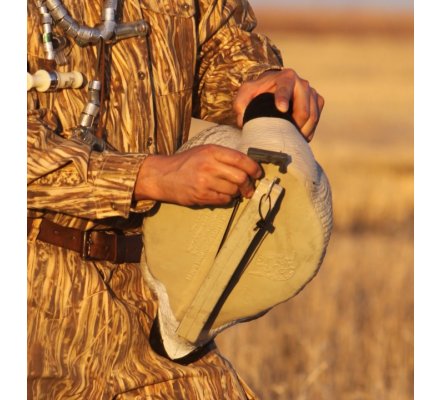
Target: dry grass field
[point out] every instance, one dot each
(349, 334)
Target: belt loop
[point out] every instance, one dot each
(33, 228)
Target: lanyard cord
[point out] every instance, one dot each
(100, 75)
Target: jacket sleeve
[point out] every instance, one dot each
(65, 176)
(230, 54)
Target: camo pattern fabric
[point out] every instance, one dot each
(89, 323)
(88, 337)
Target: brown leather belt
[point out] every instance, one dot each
(91, 244)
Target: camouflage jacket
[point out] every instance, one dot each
(191, 64)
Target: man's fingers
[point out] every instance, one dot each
(308, 129)
(301, 104)
(245, 189)
(216, 199)
(284, 89)
(221, 191)
(203, 175)
(283, 95)
(244, 96)
(321, 103)
(238, 160)
(230, 173)
(237, 178)
(250, 90)
(238, 169)
(246, 93)
(224, 186)
(286, 86)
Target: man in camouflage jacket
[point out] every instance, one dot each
(89, 319)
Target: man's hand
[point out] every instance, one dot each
(202, 175)
(286, 85)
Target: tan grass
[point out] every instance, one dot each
(349, 334)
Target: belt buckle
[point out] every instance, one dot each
(85, 248)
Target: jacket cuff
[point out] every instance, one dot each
(113, 177)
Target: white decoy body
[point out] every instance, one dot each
(182, 263)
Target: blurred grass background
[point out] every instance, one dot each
(349, 334)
